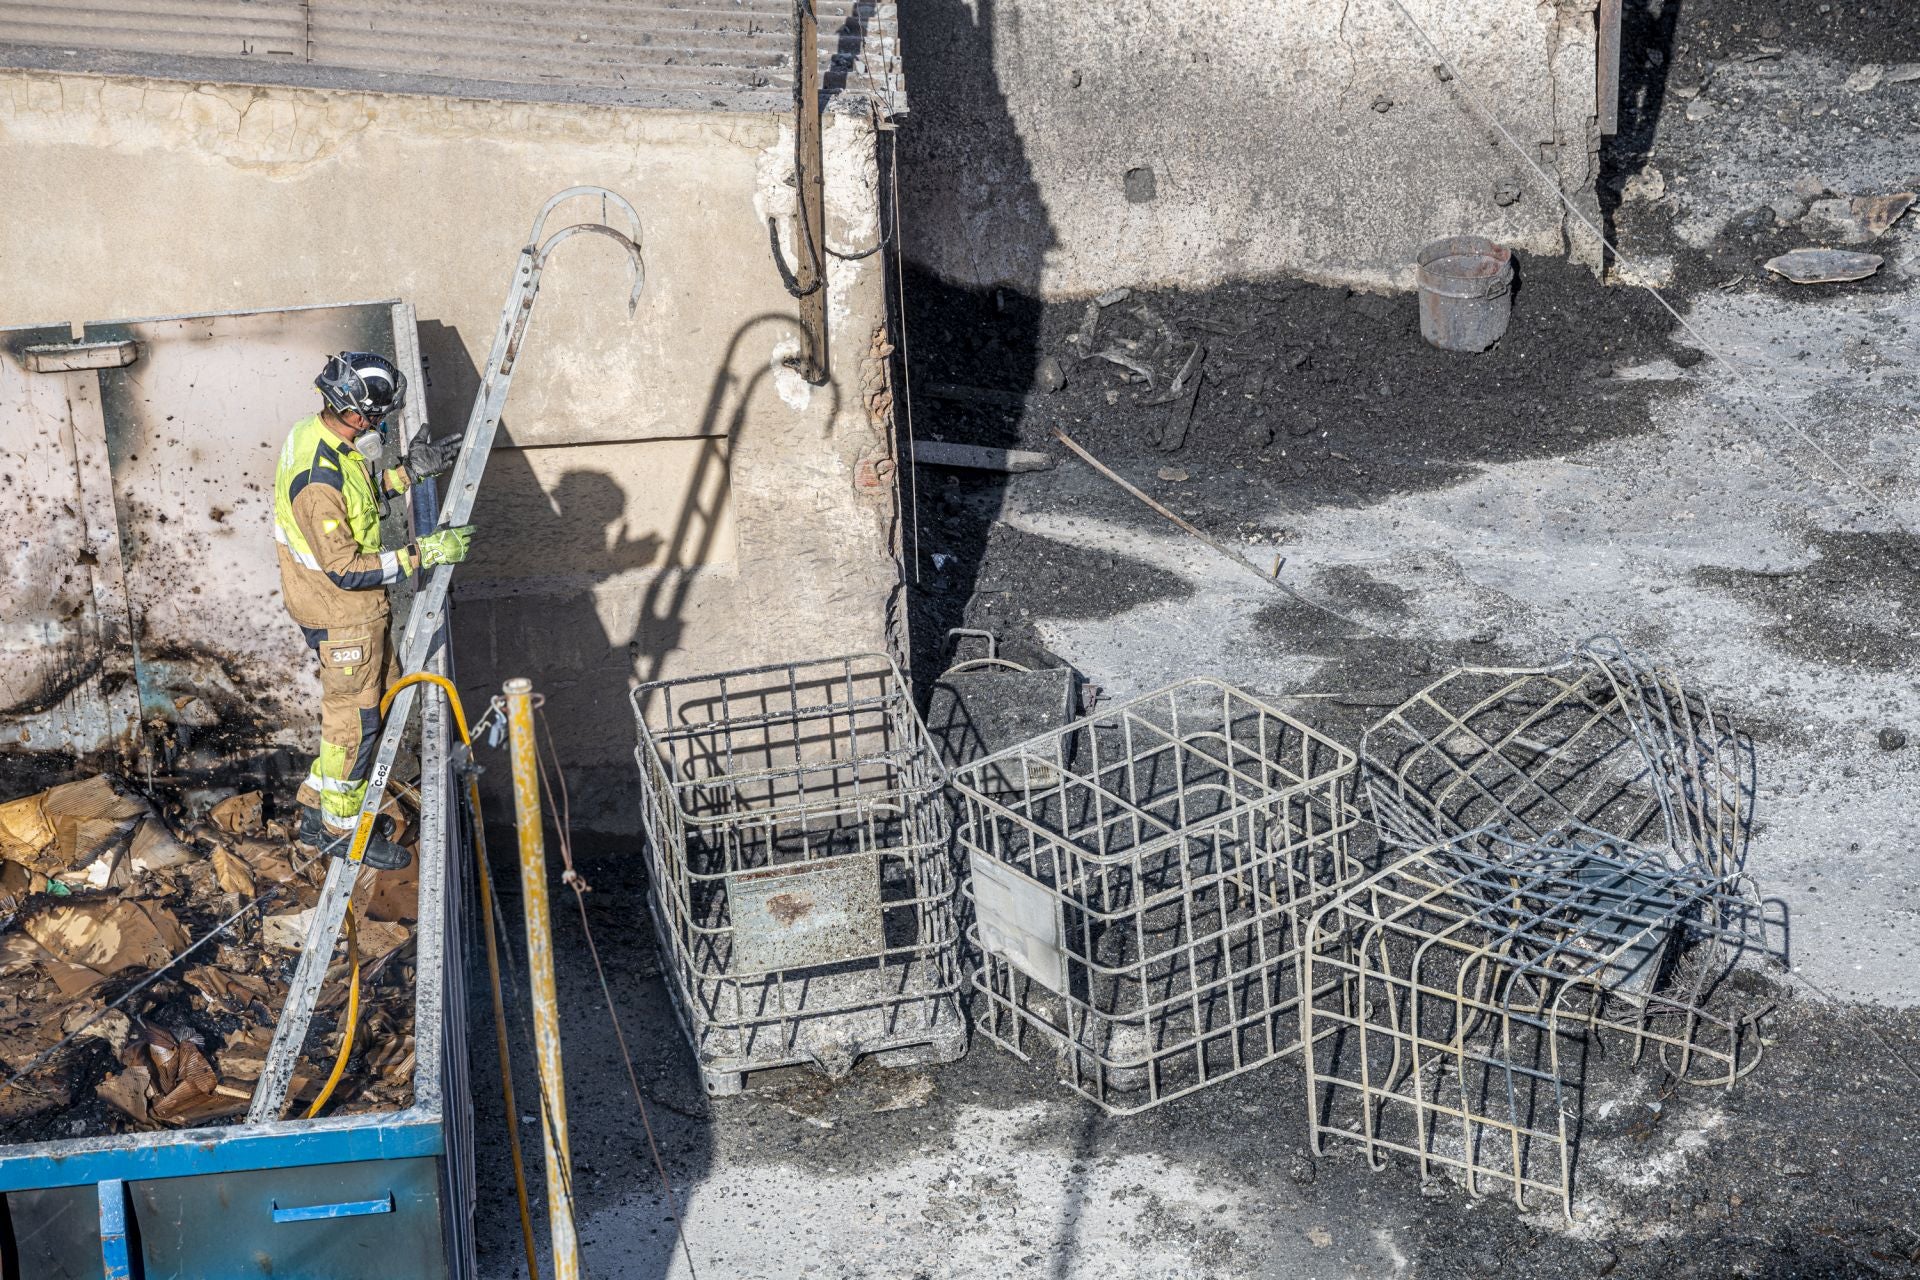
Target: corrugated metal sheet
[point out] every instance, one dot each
(207, 28)
(719, 48)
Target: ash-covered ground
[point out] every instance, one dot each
(988, 1166)
(1597, 473)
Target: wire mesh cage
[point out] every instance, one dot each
(1700, 764)
(1459, 994)
(801, 880)
(1602, 738)
(1139, 886)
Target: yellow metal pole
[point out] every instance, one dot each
(546, 1015)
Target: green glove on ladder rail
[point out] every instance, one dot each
(443, 546)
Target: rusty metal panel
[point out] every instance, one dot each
(1607, 86)
(788, 918)
(149, 528)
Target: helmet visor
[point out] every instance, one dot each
(363, 383)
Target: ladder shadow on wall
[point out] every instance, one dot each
(567, 536)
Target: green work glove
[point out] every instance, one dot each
(445, 546)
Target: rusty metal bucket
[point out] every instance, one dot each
(1466, 292)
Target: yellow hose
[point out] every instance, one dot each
(493, 963)
(353, 1017)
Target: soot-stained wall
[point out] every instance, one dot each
(668, 498)
(1063, 148)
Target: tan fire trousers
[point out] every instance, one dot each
(357, 664)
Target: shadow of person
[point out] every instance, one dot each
(592, 516)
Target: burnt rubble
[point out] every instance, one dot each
(145, 944)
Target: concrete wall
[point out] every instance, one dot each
(672, 499)
(1064, 148)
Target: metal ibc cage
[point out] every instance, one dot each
(1140, 883)
(1603, 739)
(1459, 996)
(801, 882)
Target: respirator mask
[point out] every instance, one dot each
(371, 444)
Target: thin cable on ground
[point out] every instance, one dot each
(563, 830)
(1874, 500)
(139, 986)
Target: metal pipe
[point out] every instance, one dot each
(809, 175)
(546, 1015)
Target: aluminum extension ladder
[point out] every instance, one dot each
(424, 624)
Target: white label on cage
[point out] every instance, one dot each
(1020, 922)
(787, 918)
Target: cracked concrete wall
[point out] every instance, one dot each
(671, 499)
(1064, 148)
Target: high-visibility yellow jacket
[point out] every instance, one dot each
(326, 518)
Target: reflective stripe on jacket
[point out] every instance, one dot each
(326, 518)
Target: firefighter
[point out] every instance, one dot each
(327, 496)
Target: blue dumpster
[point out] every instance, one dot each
(377, 1196)
(128, 600)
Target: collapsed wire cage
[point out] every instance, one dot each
(1464, 996)
(1603, 739)
(1139, 887)
(800, 876)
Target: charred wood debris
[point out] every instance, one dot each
(146, 942)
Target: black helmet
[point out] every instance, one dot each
(364, 383)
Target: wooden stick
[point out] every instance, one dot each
(1188, 528)
(1114, 476)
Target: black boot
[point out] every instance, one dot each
(381, 854)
